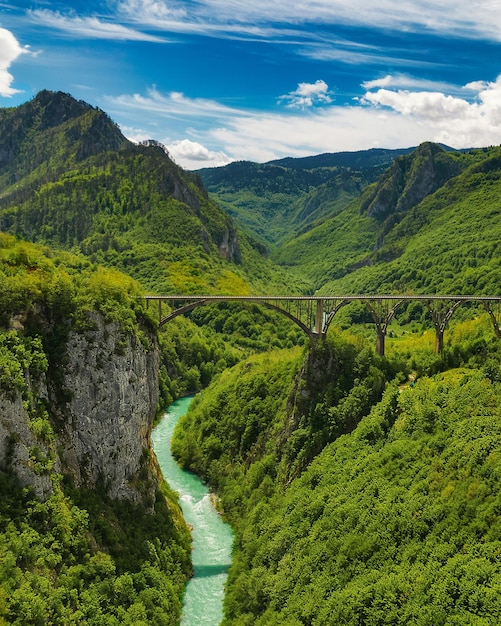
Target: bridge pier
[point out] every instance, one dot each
(380, 337)
(382, 314)
(494, 314)
(440, 317)
(319, 317)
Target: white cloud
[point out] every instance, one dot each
(404, 81)
(307, 95)
(173, 104)
(478, 18)
(10, 50)
(151, 11)
(90, 27)
(452, 120)
(423, 104)
(193, 155)
(209, 133)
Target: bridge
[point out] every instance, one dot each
(314, 314)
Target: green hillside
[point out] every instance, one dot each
(356, 499)
(429, 225)
(68, 178)
(275, 201)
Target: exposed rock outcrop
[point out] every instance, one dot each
(101, 408)
(409, 180)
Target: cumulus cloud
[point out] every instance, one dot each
(405, 81)
(10, 50)
(307, 95)
(193, 155)
(460, 122)
(426, 105)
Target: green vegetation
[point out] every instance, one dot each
(410, 232)
(277, 200)
(362, 490)
(64, 563)
(355, 496)
(76, 557)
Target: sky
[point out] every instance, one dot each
(222, 80)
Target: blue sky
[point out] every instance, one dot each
(224, 80)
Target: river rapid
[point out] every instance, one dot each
(212, 538)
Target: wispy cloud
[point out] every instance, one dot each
(479, 18)
(90, 27)
(215, 134)
(174, 104)
(10, 50)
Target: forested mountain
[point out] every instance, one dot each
(430, 224)
(430, 207)
(279, 199)
(69, 178)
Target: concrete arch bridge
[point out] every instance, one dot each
(314, 314)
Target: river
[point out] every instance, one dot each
(212, 538)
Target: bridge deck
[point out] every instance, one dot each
(314, 314)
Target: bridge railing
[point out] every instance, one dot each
(314, 314)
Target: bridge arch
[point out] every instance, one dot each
(314, 314)
(210, 300)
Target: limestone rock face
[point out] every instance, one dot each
(112, 382)
(17, 443)
(101, 408)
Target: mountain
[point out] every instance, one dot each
(279, 199)
(431, 209)
(69, 178)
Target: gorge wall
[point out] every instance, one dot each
(98, 404)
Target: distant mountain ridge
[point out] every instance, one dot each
(282, 198)
(429, 224)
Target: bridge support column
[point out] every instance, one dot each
(319, 318)
(381, 335)
(440, 318)
(439, 340)
(494, 315)
(382, 314)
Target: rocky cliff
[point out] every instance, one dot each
(98, 410)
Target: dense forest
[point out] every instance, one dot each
(362, 489)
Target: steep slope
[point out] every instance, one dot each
(70, 179)
(84, 514)
(356, 500)
(431, 209)
(275, 201)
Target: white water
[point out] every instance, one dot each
(212, 538)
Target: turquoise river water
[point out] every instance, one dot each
(212, 538)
